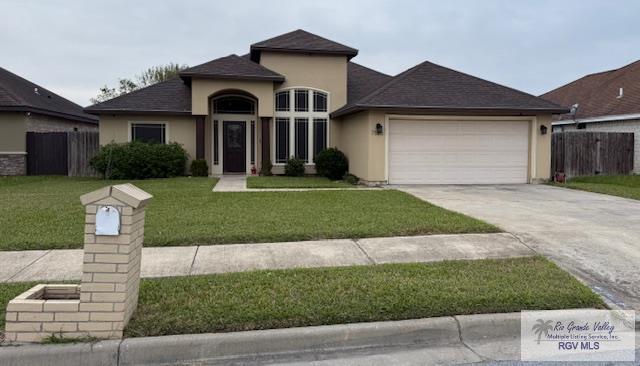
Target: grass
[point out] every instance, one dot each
(305, 297)
(295, 182)
(627, 186)
(45, 213)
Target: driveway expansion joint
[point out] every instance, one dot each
(355, 241)
(28, 265)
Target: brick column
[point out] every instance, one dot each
(108, 295)
(111, 269)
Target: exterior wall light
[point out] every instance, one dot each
(543, 130)
(379, 129)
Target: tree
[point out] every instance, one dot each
(542, 327)
(148, 77)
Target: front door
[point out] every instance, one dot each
(234, 146)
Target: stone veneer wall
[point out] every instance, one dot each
(13, 164)
(108, 294)
(42, 123)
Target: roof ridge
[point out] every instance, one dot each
(494, 83)
(388, 84)
(135, 91)
(370, 69)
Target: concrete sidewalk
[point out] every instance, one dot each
(58, 265)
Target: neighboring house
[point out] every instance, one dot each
(28, 107)
(298, 93)
(606, 101)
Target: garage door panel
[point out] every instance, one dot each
(458, 152)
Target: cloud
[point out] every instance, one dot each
(75, 47)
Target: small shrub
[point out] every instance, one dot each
(139, 160)
(266, 167)
(294, 167)
(331, 163)
(199, 168)
(351, 179)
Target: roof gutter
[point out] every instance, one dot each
(449, 110)
(231, 77)
(137, 112)
(47, 112)
(615, 117)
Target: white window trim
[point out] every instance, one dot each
(292, 115)
(165, 123)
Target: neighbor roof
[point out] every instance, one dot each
(19, 94)
(168, 97)
(598, 94)
(428, 86)
(232, 67)
(301, 41)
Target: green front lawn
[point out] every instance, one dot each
(45, 213)
(295, 182)
(305, 297)
(627, 186)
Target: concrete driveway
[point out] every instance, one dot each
(594, 236)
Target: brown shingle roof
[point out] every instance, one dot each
(19, 94)
(428, 86)
(232, 67)
(168, 97)
(597, 94)
(301, 41)
(362, 81)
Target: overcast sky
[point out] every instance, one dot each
(75, 47)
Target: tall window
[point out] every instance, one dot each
(282, 140)
(301, 128)
(149, 132)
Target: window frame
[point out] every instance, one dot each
(131, 124)
(292, 115)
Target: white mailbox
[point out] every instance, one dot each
(107, 221)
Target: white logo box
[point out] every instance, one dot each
(577, 335)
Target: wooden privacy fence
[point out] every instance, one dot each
(61, 153)
(582, 153)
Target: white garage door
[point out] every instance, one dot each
(458, 152)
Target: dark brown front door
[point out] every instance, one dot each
(234, 147)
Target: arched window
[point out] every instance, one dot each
(233, 104)
(301, 124)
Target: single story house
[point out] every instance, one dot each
(298, 93)
(607, 101)
(28, 107)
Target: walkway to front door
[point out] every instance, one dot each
(231, 183)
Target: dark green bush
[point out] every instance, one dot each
(294, 167)
(351, 179)
(138, 160)
(331, 163)
(199, 168)
(266, 167)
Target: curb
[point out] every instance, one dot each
(470, 331)
(104, 353)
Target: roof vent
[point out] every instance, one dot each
(35, 90)
(620, 93)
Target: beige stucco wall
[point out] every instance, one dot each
(367, 151)
(324, 72)
(354, 142)
(202, 89)
(12, 132)
(180, 129)
(328, 73)
(542, 147)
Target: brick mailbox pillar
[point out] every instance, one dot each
(108, 295)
